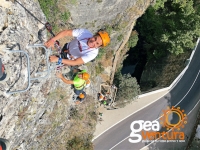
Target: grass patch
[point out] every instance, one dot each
(65, 16)
(73, 2)
(99, 1)
(99, 68)
(101, 53)
(55, 12)
(109, 29)
(120, 37)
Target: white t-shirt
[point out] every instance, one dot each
(85, 52)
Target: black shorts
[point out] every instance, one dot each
(64, 52)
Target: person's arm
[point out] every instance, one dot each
(59, 75)
(50, 42)
(78, 61)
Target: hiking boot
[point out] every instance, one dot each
(74, 97)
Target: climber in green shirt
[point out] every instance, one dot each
(79, 82)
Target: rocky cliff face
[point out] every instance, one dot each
(34, 119)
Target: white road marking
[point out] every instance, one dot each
(119, 143)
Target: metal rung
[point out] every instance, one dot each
(28, 70)
(48, 71)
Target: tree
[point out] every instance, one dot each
(173, 28)
(159, 4)
(128, 90)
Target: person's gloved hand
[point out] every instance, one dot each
(53, 58)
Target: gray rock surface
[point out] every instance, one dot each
(117, 15)
(32, 119)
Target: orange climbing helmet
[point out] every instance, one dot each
(86, 76)
(105, 38)
(81, 95)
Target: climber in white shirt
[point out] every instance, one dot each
(82, 49)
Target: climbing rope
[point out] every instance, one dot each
(29, 12)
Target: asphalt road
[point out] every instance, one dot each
(186, 94)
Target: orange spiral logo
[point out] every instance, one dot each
(164, 120)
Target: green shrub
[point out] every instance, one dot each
(109, 29)
(48, 6)
(99, 1)
(79, 143)
(133, 39)
(74, 113)
(170, 26)
(55, 11)
(120, 37)
(102, 52)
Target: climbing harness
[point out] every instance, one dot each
(59, 63)
(80, 47)
(56, 45)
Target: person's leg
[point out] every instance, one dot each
(82, 99)
(65, 47)
(64, 51)
(78, 92)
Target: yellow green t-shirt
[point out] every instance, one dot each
(78, 82)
